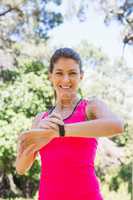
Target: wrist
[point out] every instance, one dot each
(70, 129)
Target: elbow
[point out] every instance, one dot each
(116, 126)
(119, 126)
(19, 170)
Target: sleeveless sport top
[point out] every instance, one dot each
(67, 164)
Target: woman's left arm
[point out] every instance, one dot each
(102, 123)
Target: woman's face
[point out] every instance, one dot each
(65, 78)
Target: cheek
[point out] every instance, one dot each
(75, 83)
(55, 81)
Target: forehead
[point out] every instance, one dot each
(66, 64)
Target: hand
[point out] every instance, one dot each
(34, 139)
(51, 122)
(43, 132)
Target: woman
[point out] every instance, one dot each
(67, 163)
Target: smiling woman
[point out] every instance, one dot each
(65, 73)
(67, 170)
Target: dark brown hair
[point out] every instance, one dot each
(65, 53)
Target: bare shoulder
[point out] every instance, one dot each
(90, 107)
(98, 109)
(37, 119)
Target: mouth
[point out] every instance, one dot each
(65, 87)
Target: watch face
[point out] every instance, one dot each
(61, 130)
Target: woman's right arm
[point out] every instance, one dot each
(25, 159)
(42, 131)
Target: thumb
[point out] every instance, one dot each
(56, 114)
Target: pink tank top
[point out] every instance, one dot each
(67, 164)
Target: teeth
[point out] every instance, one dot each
(64, 87)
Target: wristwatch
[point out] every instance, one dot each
(61, 130)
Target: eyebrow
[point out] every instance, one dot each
(69, 70)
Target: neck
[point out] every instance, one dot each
(67, 103)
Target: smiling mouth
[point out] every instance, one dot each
(64, 87)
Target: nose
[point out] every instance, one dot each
(66, 78)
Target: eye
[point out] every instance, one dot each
(73, 73)
(58, 73)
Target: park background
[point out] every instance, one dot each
(102, 32)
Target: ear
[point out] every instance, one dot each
(81, 75)
(49, 76)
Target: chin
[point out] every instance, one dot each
(66, 96)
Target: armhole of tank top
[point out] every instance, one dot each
(50, 110)
(46, 113)
(87, 104)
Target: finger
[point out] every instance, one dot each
(31, 134)
(56, 121)
(44, 126)
(24, 135)
(55, 114)
(26, 140)
(30, 149)
(22, 139)
(52, 125)
(23, 146)
(19, 150)
(47, 124)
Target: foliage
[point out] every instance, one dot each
(122, 11)
(25, 23)
(26, 18)
(25, 91)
